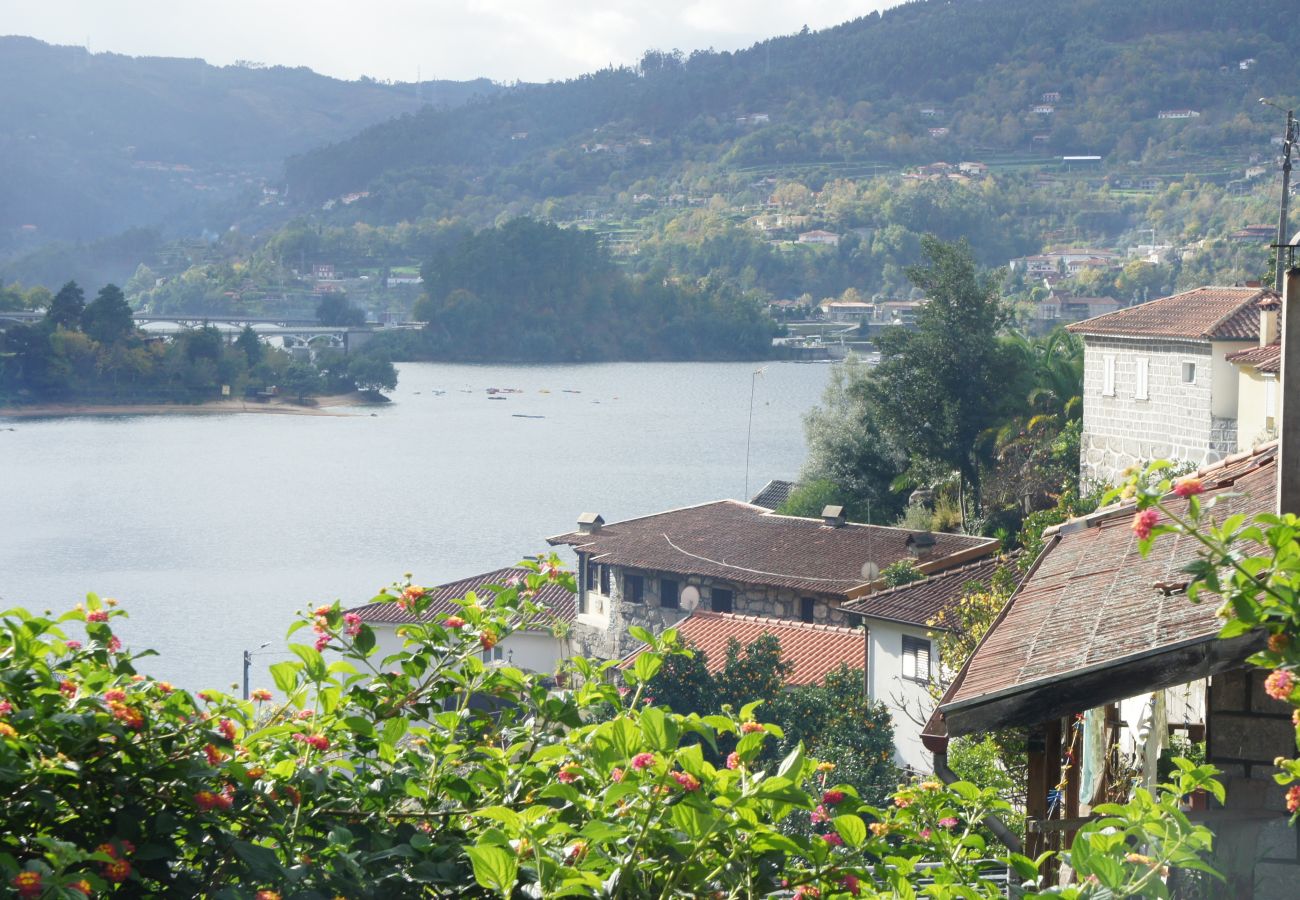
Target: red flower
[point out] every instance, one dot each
(97, 615)
(1143, 522)
(1293, 798)
(850, 883)
(1188, 486)
(5, 707)
(266, 895)
(67, 688)
(28, 884)
(454, 622)
(833, 839)
(128, 716)
(81, 887)
(487, 638)
(210, 800)
(117, 871)
(317, 741)
(686, 781)
(805, 890)
(73, 645)
(114, 645)
(227, 729)
(214, 755)
(115, 694)
(261, 695)
(643, 760)
(830, 798)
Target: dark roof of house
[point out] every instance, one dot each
(1263, 359)
(919, 602)
(812, 651)
(774, 493)
(746, 544)
(1092, 607)
(1205, 313)
(556, 598)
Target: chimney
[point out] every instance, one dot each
(1269, 307)
(589, 523)
(921, 544)
(1288, 413)
(833, 516)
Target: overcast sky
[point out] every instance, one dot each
(506, 40)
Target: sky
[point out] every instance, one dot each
(505, 40)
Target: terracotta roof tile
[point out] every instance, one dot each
(554, 597)
(1205, 313)
(1091, 598)
(919, 602)
(812, 651)
(1264, 359)
(747, 544)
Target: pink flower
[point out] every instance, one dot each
(1293, 798)
(114, 694)
(454, 622)
(1143, 522)
(97, 615)
(820, 815)
(67, 688)
(948, 822)
(114, 644)
(686, 781)
(317, 741)
(805, 890)
(850, 883)
(261, 695)
(227, 729)
(569, 774)
(322, 642)
(925, 834)
(1279, 684)
(733, 760)
(354, 624)
(830, 798)
(833, 839)
(304, 714)
(6, 707)
(643, 760)
(751, 728)
(616, 774)
(1188, 486)
(214, 755)
(73, 645)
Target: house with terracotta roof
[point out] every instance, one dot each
(1157, 383)
(1259, 369)
(536, 647)
(1100, 648)
(746, 565)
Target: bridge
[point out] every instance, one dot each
(308, 331)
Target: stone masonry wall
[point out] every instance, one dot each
(1245, 731)
(1174, 423)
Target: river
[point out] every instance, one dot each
(212, 529)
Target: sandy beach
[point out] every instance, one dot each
(279, 406)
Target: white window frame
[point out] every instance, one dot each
(1270, 401)
(916, 656)
(1108, 375)
(1186, 365)
(1142, 379)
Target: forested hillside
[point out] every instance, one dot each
(928, 80)
(93, 143)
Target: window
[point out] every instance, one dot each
(1270, 402)
(669, 594)
(722, 600)
(1140, 386)
(1108, 375)
(588, 573)
(491, 655)
(604, 580)
(634, 588)
(1189, 373)
(807, 608)
(916, 658)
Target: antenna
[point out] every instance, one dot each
(690, 597)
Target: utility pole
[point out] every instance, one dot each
(1279, 267)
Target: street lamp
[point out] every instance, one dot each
(248, 664)
(749, 431)
(1287, 141)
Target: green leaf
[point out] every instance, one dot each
(691, 759)
(851, 828)
(646, 665)
(358, 725)
(690, 820)
(506, 816)
(792, 765)
(285, 675)
(660, 730)
(365, 640)
(642, 635)
(494, 868)
(313, 662)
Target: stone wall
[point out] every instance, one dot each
(1175, 421)
(612, 641)
(1245, 731)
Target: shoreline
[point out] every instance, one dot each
(211, 407)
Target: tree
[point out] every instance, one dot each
(372, 372)
(67, 307)
(939, 387)
(107, 318)
(334, 309)
(301, 379)
(250, 345)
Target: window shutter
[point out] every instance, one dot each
(1108, 376)
(1140, 389)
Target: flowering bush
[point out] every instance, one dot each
(431, 774)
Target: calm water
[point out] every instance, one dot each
(212, 530)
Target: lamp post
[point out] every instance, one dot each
(1282, 237)
(749, 431)
(248, 664)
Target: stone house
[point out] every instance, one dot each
(536, 648)
(1157, 383)
(1099, 650)
(750, 564)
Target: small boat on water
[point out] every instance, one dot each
(525, 416)
(498, 398)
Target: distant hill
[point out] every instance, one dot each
(91, 144)
(1143, 81)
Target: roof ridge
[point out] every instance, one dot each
(663, 512)
(769, 620)
(1251, 300)
(940, 573)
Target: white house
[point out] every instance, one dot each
(1157, 383)
(1259, 369)
(535, 648)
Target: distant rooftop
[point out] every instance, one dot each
(774, 493)
(1205, 313)
(918, 602)
(558, 600)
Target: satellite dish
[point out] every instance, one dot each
(870, 571)
(690, 597)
